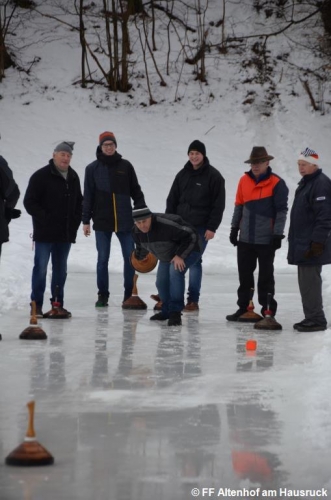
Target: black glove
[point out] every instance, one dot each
(234, 236)
(277, 241)
(315, 250)
(12, 213)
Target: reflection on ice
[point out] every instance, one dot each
(133, 410)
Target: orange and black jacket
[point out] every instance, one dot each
(260, 208)
(109, 185)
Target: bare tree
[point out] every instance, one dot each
(7, 11)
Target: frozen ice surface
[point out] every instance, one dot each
(133, 410)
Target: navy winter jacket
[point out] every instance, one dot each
(110, 183)
(310, 220)
(55, 204)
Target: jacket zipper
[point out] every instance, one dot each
(115, 212)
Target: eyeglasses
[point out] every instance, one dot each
(258, 162)
(108, 145)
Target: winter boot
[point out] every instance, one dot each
(301, 323)
(102, 300)
(175, 319)
(235, 316)
(158, 317)
(191, 307)
(310, 326)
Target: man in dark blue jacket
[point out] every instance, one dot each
(54, 199)
(177, 246)
(309, 238)
(198, 196)
(110, 183)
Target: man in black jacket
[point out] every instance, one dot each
(110, 183)
(54, 199)
(177, 246)
(309, 238)
(198, 196)
(9, 194)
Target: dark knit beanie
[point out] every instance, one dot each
(66, 146)
(197, 146)
(107, 136)
(141, 213)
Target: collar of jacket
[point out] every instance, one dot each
(188, 165)
(108, 159)
(262, 177)
(309, 177)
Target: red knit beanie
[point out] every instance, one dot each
(107, 136)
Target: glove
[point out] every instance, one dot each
(277, 241)
(315, 250)
(12, 213)
(234, 236)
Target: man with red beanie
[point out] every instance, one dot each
(109, 185)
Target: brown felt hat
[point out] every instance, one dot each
(258, 154)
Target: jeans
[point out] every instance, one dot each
(195, 274)
(103, 243)
(170, 284)
(59, 253)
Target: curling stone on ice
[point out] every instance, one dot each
(145, 265)
(268, 322)
(134, 302)
(30, 453)
(34, 331)
(57, 312)
(250, 316)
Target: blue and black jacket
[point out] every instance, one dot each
(109, 185)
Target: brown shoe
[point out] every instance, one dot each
(191, 307)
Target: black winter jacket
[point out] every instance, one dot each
(9, 194)
(169, 235)
(198, 196)
(310, 220)
(110, 183)
(55, 204)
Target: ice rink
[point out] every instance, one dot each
(133, 410)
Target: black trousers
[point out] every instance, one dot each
(248, 255)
